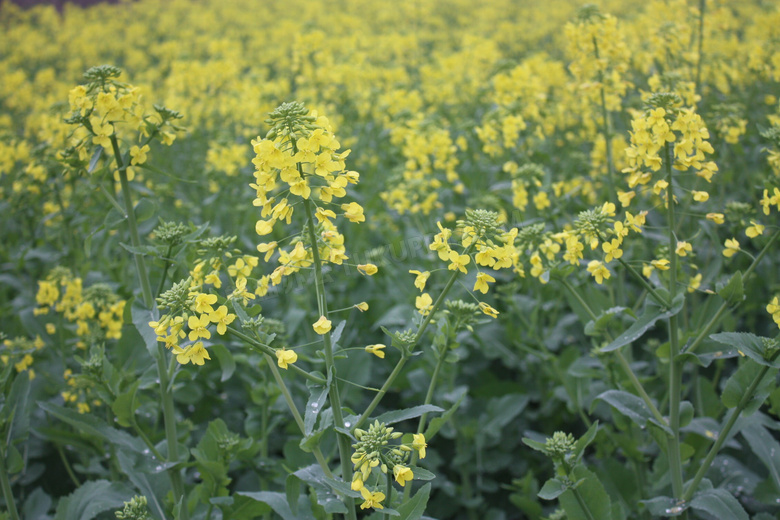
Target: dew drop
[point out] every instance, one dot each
(158, 468)
(146, 451)
(347, 424)
(315, 405)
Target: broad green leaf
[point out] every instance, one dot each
(395, 416)
(585, 440)
(91, 426)
(91, 499)
(593, 495)
(125, 404)
(649, 317)
(152, 485)
(318, 394)
(538, 446)
(552, 489)
(738, 384)
(766, 448)
(314, 476)
(277, 501)
(141, 250)
(421, 473)
(93, 161)
(144, 210)
(437, 422)
(733, 291)
(632, 407)
(719, 503)
(141, 318)
(18, 408)
(663, 506)
(748, 345)
(598, 326)
(226, 361)
(415, 507)
(292, 488)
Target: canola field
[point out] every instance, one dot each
(425, 259)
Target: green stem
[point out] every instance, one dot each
(582, 504)
(330, 368)
(265, 349)
(624, 364)
(166, 395)
(675, 367)
(296, 414)
(724, 306)
(6, 485)
(166, 265)
(649, 288)
(404, 356)
(146, 439)
(723, 435)
(424, 417)
(68, 468)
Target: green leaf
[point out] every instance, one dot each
(663, 506)
(585, 440)
(766, 448)
(437, 422)
(407, 413)
(335, 336)
(91, 499)
(415, 507)
(748, 345)
(536, 445)
(421, 473)
(593, 495)
(151, 485)
(292, 488)
(738, 384)
(632, 407)
(649, 317)
(277, 501)
(552, 489)
(95, 158)
(91, 426)
(719, 503)
(144, 210)
(17, 407)
(314, 476)
(141, 250)
(599, 326)
(125, 405)
(141, 318)
(733, 291)
(226, 361)
(686, 413)
(318, 394)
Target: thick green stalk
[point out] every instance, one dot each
(675, 367)
(723, 435)
(265, 349)
(333, 387)
(401, 362)
(6, 485)
(166, 395)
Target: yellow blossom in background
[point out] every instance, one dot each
(487, 309)
(362, 306)
(371, 499)
(717, 218)
(481, 284)
(419, 444)
(322, 325)
(700, 196)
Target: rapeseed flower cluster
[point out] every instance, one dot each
(373, 450)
